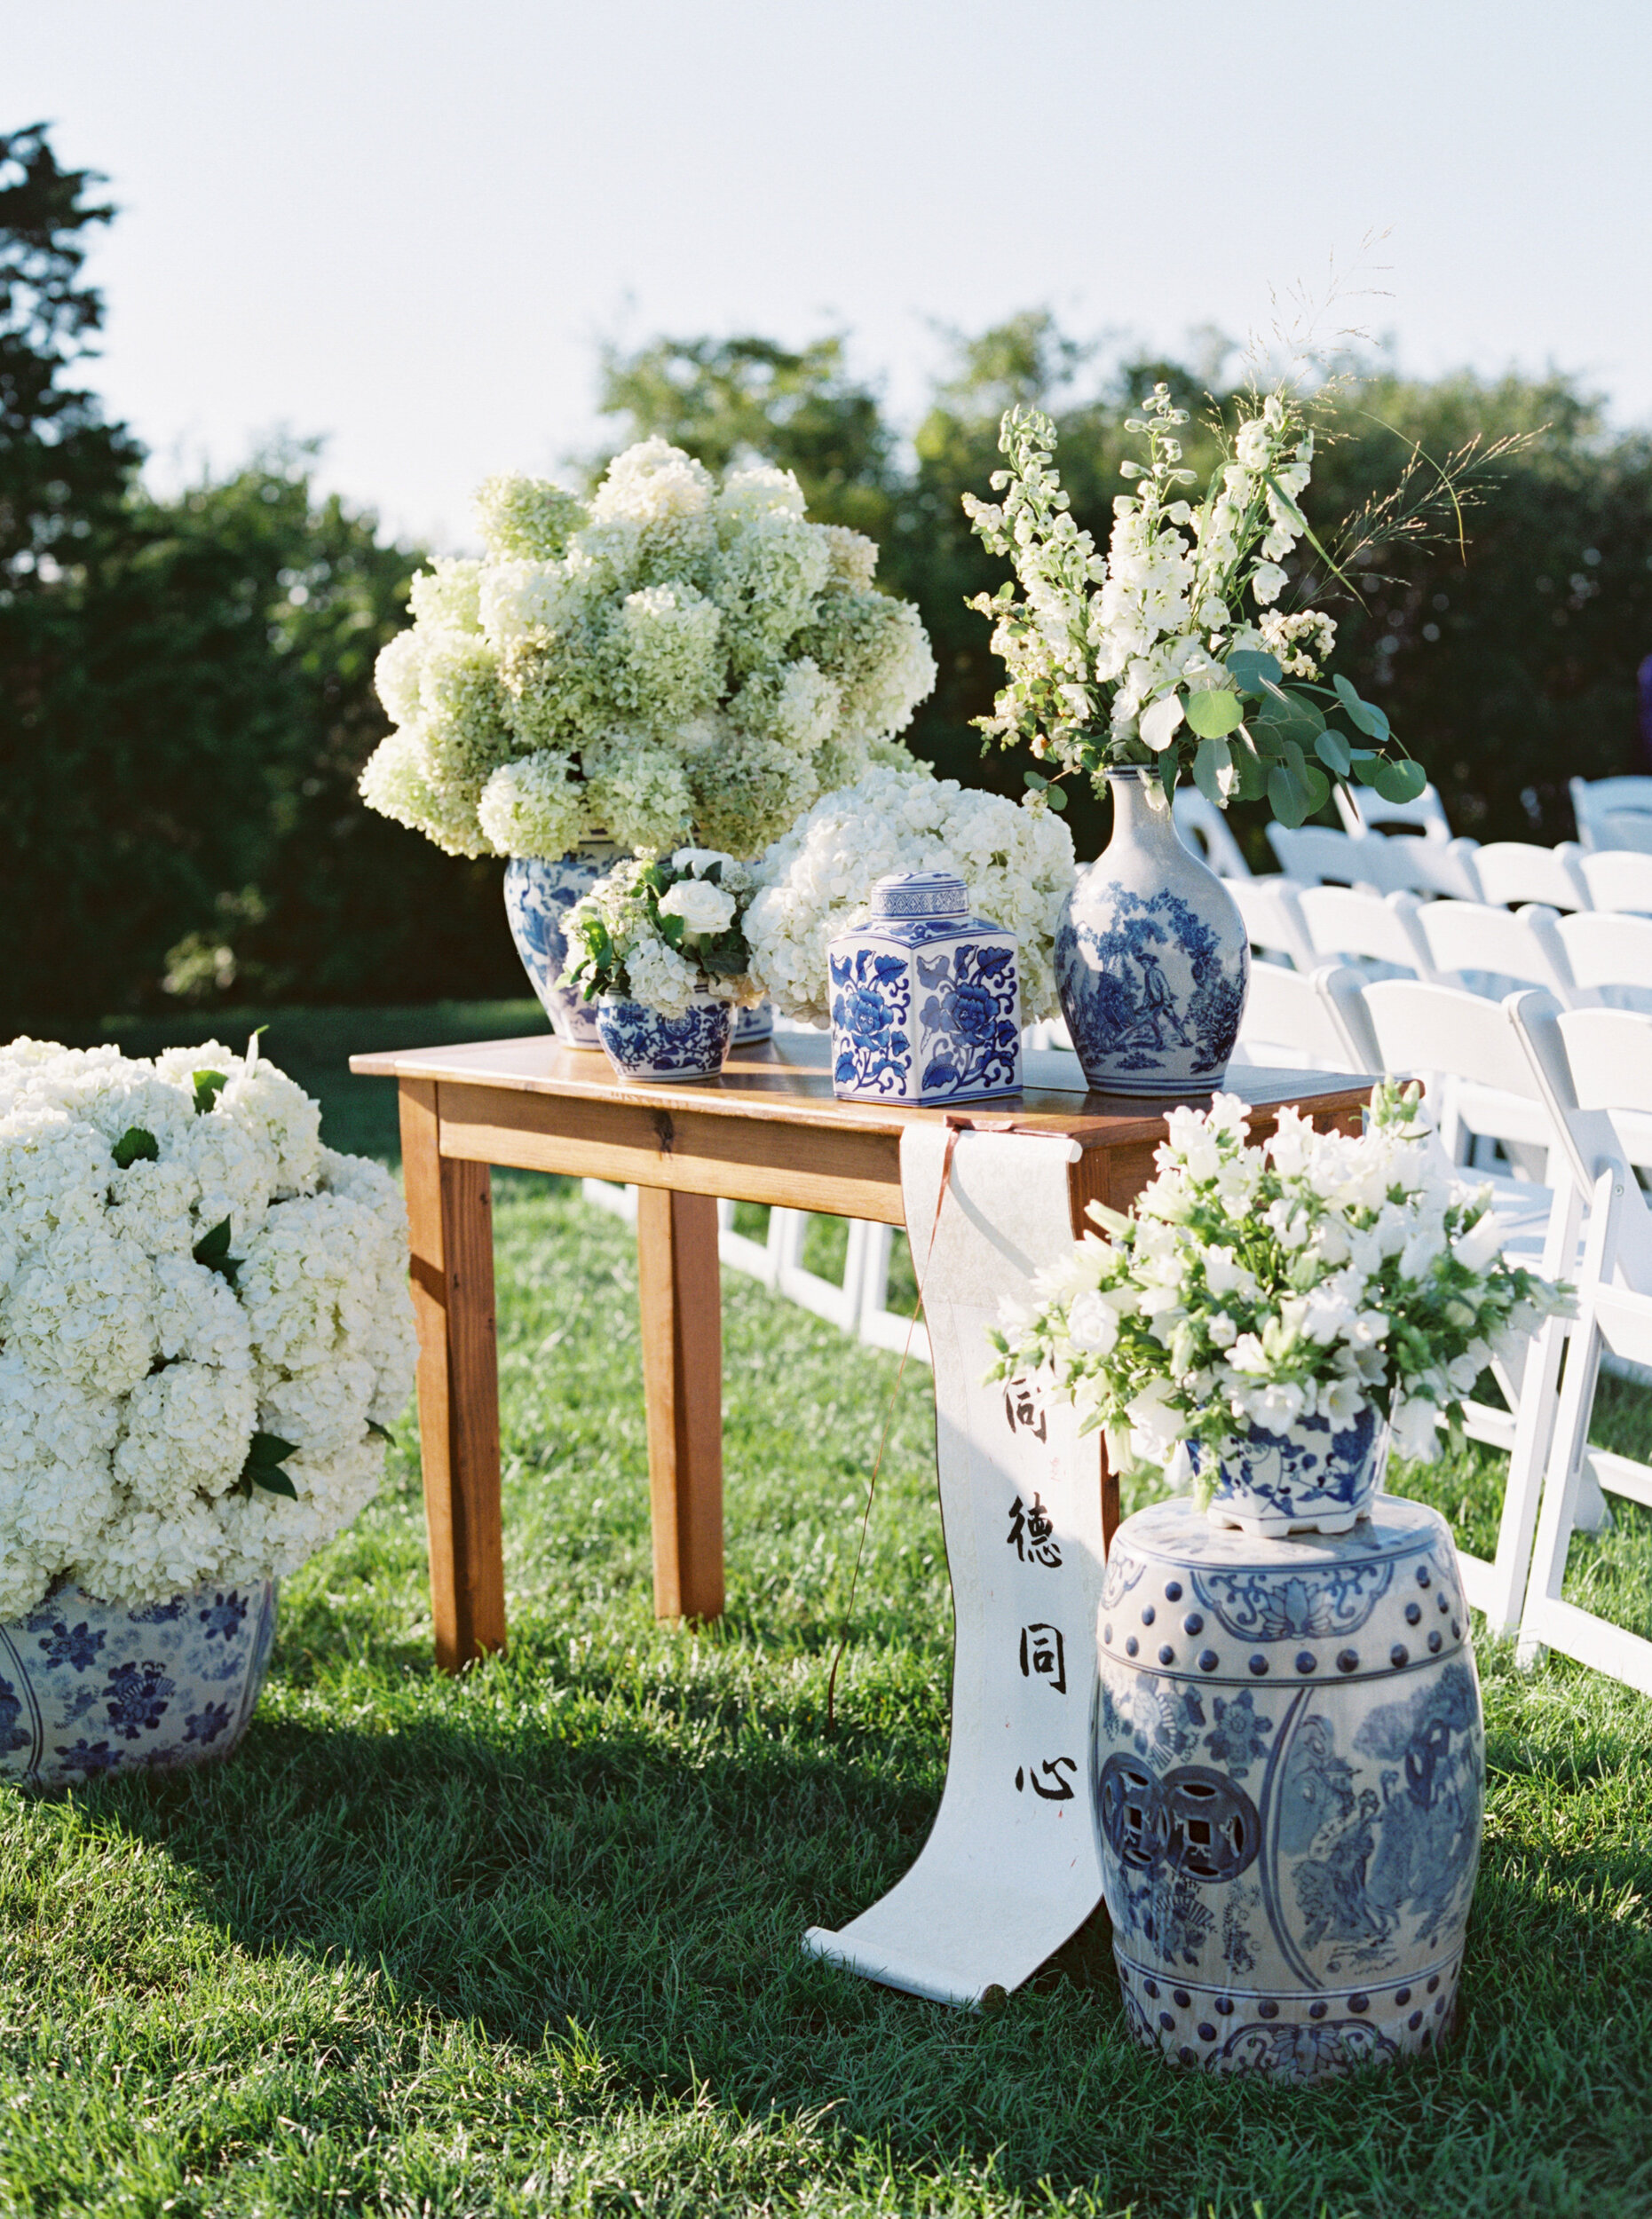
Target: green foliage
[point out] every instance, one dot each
(263, 1468)
(212, 1250)
(136, 1145)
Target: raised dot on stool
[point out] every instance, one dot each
(1148, 1614)
(1107, 1634)
(1317, 2008)
(1445, 1602)
(1305, 1660)
(1207, 2032)
(1224, 2004)
(1167, 2021)
(1166, 1654)
(1348, 1660)
(1172, 1590)
(1399, 1655)
(1457, 1630)
(1131, 1645)
(1151, 1987)
(1415, 2021)
(1181, 1996)
(1258, 1663)
(1422, 1576)
(1188, 2055)
(1439, 2005)
(1268, 2010)
(1434, 1638)
(1193, 1623)
(1359, 2003)
(1208, 1659)
(1413, 1614)
(1433, 1982)
(1401, 1997)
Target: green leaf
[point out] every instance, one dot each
(1168, 766)
(263, 1468)
(1212, 715)
(136, 1145)
(1285, 797)
(1252, 668)
(209, 1086)
(1034, 782)
(379, 1433)
(1056, 796)
(1401, 781)
(1210, 760)
(1251, 771)
(274, 1480)
(1364, 716)
(1317, 785)
(1332, 751)
(212, 1250)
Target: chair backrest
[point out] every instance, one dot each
(1430, 866)
(1291, 1018)
(1618, 878)
(1341, 921)
(1597, 800)
(1476, 1074)
(1313, 855)
(1514, 871)
(1273, 921)
(1363, 809)
(1206, 831)
(1473, 944)
(1624, 828)
(1609, 958)
(1593, 1068)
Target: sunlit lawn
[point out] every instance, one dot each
(528, 1941)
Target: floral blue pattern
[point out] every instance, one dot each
(645, 1043)
(926, 999)
(539, 894)
(1306, 1477)
(90, 1687)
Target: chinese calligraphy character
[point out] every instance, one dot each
(1024, 1409)
(1059, 1790)
(1043, 1656)
(1031, 1533)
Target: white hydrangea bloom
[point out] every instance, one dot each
(521, 516)
(132, 1375)
(761, 492)
(396, 676)
(649, 482)
(448, 594)
(533, 807)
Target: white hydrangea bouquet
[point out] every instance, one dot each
(1170, 651)
(660, 932)
(205, 1326)
(1015, 858)
(1260, 1286)
(675, 658)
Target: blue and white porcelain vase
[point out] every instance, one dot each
(539, 894)
(1304, 1478)
(926, 998)
(753, 1025)
(1288, 1778)
(1152, 957)
(88, 1688)
(645, 1043)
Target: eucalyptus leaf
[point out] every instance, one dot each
(1211, 758)
(1252, 772)
(1212, 715)
(1332, 751)
(136, 1145)
(1285, 797)
(1401, 781)
(209, 1086)
(1250, 668)
(1057, 796)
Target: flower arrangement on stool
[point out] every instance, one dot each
(1287, 1764)
(661, 947)
(205, 1329)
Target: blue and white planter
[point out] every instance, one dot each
(645, 1043)
(1151, 957)
(1306, 1479)
(539, 894)
(1288, 1775)
(752, 1026)
(926, 998)
(88, 1688)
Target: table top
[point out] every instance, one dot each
(789, 1079)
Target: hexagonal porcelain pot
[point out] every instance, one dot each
(1304, 1478)
(1289, 1777)
(926, 998)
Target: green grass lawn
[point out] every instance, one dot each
(528, 1941)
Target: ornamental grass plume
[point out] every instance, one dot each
(675, 658)
(1307, 1278)
(205, 1327)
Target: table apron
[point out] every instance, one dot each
(835, 1171)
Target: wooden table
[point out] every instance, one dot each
(769, 1131)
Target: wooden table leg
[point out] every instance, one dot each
(682, 1306)
(450, 1224)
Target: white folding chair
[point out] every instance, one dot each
(1363, 809)
(1594, 1065)
(1493, 952)
(1293, 1019)
(1272, 922)
(1609, 959)
(1313, 855)
(1624, 828)
(1603, 807)
(1473, 1065)
(1379, 929)
(1620, 878)
(1443, 867)
(1206, 830)
(1514, 871)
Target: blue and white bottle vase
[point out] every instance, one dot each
(926, 998)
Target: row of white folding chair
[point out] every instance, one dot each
(1613, 812)
(1566, 877)
(1205, 829)
(1315, 853)
(1363, 809)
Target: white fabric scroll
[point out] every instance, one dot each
(1010, 1870)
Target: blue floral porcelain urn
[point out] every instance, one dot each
(926, 998)
(1289, 1778)
(1151, 957)
(539, 894)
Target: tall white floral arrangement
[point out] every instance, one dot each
(204, 1323)
(1016, 858)
(677, 658)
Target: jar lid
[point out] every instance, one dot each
(920, 894)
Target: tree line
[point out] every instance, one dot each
(186, 683)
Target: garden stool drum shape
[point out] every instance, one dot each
(1289, 1776)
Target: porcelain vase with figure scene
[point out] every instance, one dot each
(1152, 961)
(539, 894)
(1288, 1778)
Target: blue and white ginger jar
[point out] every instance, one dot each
(645, 1043)
(926, 998)
(539, 894)
(88, 1688)
(1305, 1477)
(1288, 1778)
(1152, 961)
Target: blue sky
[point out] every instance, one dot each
(406, 226)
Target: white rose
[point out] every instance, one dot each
(704, 908)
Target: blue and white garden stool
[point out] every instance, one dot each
(926, 998)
